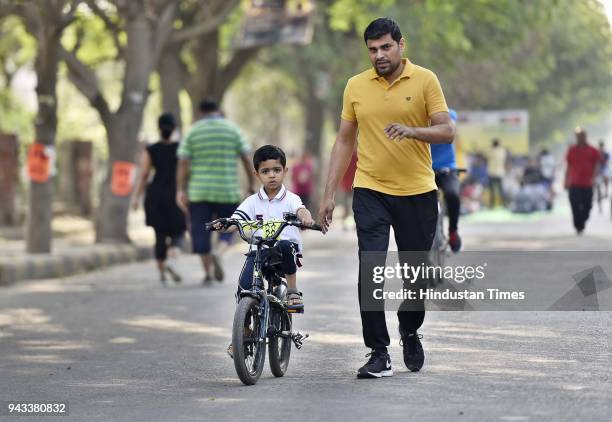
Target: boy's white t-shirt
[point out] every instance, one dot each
(259, 206)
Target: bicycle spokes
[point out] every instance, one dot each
(250, 340)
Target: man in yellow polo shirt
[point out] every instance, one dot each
(398, 109)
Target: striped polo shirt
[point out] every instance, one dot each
(213, 146)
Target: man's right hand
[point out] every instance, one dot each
(181, 200)
(326, 211)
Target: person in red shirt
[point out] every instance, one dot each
(582, 169)
(302, 178)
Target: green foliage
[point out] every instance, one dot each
(346, 15)
(559, 69)
(77, 119)
(17, 47)
(17, 50)
(264, 104)
(228, 30)
(15, 117)
(553, 57)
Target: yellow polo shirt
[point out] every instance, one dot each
(389, 166)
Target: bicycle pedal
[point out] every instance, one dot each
(298, 339)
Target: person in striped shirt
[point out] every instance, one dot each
(207, 180)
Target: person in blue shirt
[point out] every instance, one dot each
(444, 165)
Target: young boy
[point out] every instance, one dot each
(272, 200)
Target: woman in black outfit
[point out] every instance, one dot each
(161, 211)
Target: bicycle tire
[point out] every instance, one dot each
(437, 254)
(279, 348)
(247, 323)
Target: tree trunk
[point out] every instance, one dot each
(38, 226)
(314, 107)
(122, 129)
(145, 40)
(171, 76)
(210, 79)
(315, 118)
(75, 176)
(112, 215)
(202, 81)
(9, 179)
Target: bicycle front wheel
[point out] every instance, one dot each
(249, 349)
(280, 343)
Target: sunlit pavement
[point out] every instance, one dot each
(117, 345)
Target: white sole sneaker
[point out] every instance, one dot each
(381, 374)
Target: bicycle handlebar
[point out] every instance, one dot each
(228, 222)
(446, 170)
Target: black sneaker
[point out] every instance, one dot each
(379, 365)
(413, 351)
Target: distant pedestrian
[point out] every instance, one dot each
(496, 167)
(547, 166)
(604, 167)
(477, 171)
(583, 162)
(161, 211)
(302, 178)
(207, 180)
(444, 163)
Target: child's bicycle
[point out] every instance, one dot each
(262, 315)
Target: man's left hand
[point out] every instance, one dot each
(397, 131)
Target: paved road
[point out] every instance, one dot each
(118, 346)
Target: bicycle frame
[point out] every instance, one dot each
(258, 290)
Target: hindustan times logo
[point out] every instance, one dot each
(409, 273)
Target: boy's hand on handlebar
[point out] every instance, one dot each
(305, 217)
(308, 221)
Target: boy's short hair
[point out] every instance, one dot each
(268, 152)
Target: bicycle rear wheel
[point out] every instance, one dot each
(279, 345)
(249, 351)
(437, 255)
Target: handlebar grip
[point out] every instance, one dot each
(312, 227)
(209, 227)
